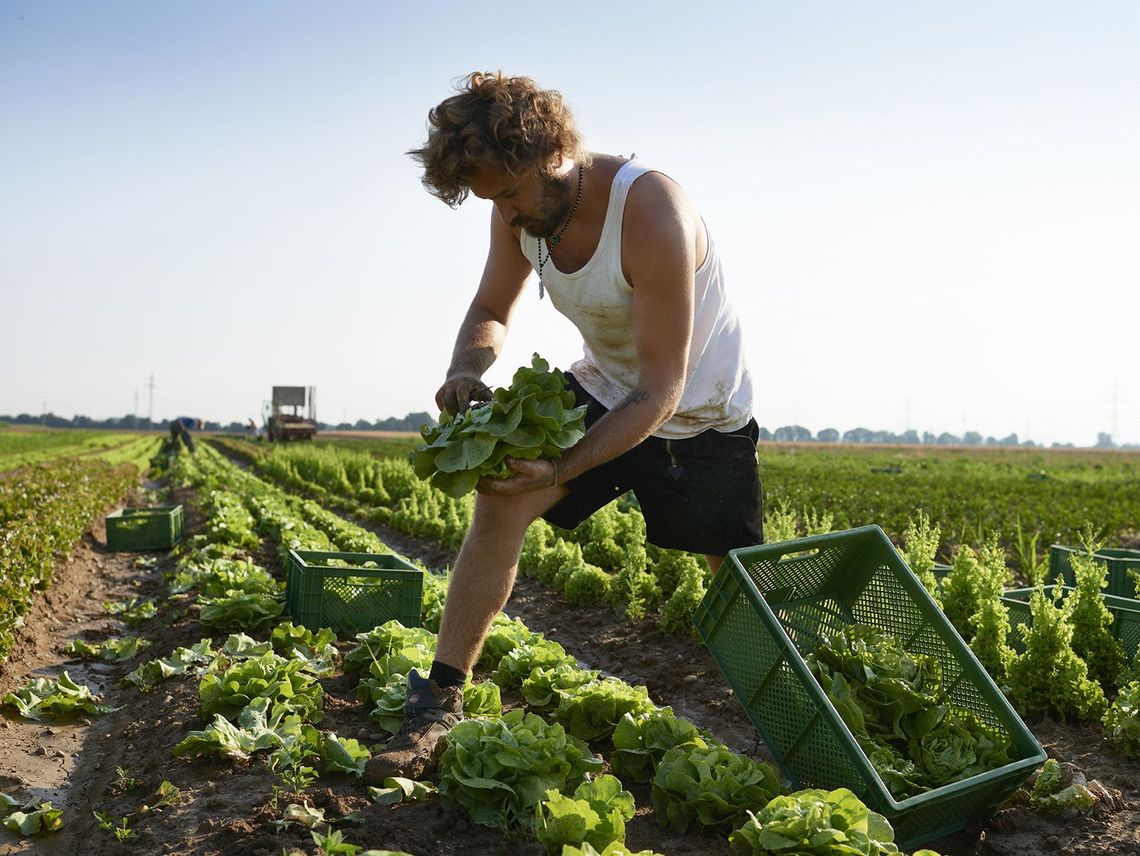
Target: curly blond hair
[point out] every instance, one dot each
(494, 121)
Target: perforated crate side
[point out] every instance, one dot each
(147, 528)
(802, 589)
(352, 599)
(780, 698)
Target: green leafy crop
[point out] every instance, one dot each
(641, 741)
(1092, 640)
(53, 697)
(117, 649)
(547, 684)
(895, 705)
(1122, 722)
(597, 814)
(1054, 792)
(518, 663)
(500, 769)
(709, 786)
(281, 681)
(534, 417)
(387, 640)
(816, 822)
(593, 710)
(920, 549)
(1049, 677)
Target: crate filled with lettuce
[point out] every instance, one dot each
(855, 679)
(533, 418)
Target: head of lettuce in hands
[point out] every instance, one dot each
(534, 417)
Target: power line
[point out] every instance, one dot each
(150, 401)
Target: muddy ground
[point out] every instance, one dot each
(228, 809)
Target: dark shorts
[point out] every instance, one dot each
(701, 494)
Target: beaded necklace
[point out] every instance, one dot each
(557, 236)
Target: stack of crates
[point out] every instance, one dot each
(766, 610)
(157, 527)
(352, 592)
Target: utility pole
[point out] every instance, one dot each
(150, 402)
(1116, 409)
(135, 413)
(43, 419)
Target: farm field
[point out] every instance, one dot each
(19, 448)
(246, 506)
(968, 491)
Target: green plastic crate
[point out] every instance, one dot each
(1125, 611)
(766, 609)
(352, 599)
(1119, 561)
(158, 527)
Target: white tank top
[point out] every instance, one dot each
(598, 300)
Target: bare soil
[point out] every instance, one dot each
(227, 809)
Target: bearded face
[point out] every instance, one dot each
(533, 200)
(551, 207)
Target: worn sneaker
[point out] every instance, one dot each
(430, 712)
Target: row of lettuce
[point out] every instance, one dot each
(24, 448)
(1067, 644)
(45, 509)
(604, 560)
(1065, 661)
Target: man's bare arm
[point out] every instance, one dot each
(658, 256)
(484, 328)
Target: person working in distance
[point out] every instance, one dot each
(180, 430)
(621, 252)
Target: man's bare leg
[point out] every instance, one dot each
(481, 582)
(714, 563)
(484, 573)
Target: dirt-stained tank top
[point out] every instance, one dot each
(599, 301)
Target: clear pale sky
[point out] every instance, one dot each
(928, 213)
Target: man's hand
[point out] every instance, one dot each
(459, 391)
(529, 476)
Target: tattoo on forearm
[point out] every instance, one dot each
(635, 397)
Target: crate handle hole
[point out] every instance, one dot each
(799, 555)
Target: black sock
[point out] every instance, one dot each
(446, 676)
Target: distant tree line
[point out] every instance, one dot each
(413, 421)
(800, 434)
(120, 423)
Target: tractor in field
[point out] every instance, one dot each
(283, 417)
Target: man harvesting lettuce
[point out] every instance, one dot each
(621, 252)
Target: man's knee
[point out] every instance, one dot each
(509, 514)
(501, 512)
